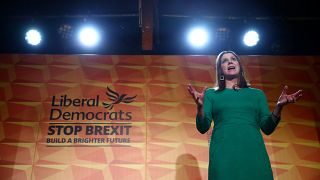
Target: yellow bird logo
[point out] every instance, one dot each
(116, 98)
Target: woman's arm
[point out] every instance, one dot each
(204, 106)
(268, 122)
(204, 115)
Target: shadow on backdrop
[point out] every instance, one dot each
(187, 168)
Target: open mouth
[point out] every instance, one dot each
(231, 67)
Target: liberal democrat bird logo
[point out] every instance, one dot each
(117, 99)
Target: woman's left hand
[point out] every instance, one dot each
(285, 98)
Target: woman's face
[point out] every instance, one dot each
(229, 64)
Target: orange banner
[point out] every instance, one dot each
(131, 117)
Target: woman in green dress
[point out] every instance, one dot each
(237, 150)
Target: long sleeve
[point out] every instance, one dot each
(267, 122)
(204, 123)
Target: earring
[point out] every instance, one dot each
(222, 78)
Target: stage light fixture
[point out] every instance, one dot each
(33, 37)
(66, 31)
(89, 36)
(251, 38)
(222, 34)
(198, 37)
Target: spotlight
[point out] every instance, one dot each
(33, 37)
(251, 38)
(89, 36)
(198, 37)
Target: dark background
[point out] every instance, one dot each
(285, 27)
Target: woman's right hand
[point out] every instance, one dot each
(197, 96)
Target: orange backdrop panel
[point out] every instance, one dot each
(163, 141)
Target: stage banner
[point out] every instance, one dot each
(122, 117)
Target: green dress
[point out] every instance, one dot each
(237, 150)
